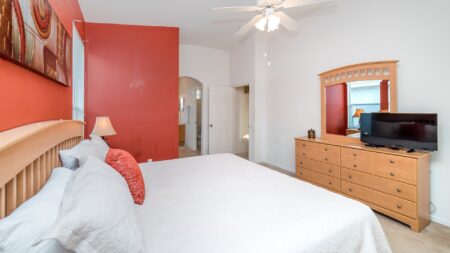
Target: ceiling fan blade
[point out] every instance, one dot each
(247, 27)
(238, 9)
(299, 3)
(286, 21)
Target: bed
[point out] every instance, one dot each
(215, 203)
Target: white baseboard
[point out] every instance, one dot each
(440, 221)
(288, 171)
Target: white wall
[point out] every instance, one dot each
(211, 68)
(242, 63)
(247, 67)
(242, 72)
(187, 87)
(417, 33)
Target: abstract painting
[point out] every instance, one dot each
(32, 35)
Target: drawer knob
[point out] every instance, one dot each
(391, 161)
(350, 176)
(326, 149)
(392, 174)
(326, 159)
(301, 162)
(354, 154)
(303, 154)
(304, 145)
(301, 173)
(399, 206)
(329, 171)
(355, 166)
(399, 190)
(330, 183)
(350, 189)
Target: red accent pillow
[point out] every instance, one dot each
(124, 163)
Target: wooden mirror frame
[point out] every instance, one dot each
(380, 70)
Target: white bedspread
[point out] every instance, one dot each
(223, 203)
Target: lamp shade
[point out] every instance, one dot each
(103, 127)
(358, 113)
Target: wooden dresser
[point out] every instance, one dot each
(395, 183)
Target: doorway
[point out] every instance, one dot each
(190, 117)
(242, 121)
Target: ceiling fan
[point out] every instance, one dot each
(271, 15)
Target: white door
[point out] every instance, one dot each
(221, 120)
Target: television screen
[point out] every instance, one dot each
(407, 130)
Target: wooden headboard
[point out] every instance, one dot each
(27, 156)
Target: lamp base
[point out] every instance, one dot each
(106, 140)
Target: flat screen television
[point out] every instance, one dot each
(400, 130)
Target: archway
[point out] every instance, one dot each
(190, 116)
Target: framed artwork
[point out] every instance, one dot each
(32, 36)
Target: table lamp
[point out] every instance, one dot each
(357, 114)
(103, 127)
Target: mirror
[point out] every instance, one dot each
(347, 101)
(349, 91)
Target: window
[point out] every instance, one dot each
(198, 93)
(78, 76)
(181, 104)
(363, 96)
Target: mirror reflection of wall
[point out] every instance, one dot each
(347, 101)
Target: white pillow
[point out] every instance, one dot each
(75, 157)
(101, 145)
(68, 160)
(97, 213)
(32, 218)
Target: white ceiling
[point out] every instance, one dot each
(198, 24)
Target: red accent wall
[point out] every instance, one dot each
(27, 97)
(132, 76)
(384, 95)
(337, 112)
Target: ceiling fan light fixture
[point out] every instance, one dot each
(273, 23)
(261, 24)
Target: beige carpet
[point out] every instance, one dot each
(185, 152)
(435, 238)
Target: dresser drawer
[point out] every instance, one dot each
(384, 200)
(320, 179)
(356, 164)
(386, 160)
(357, 154)
(399, 174)
(307, 145)
(331, 158)
(320, 156)
(324, 168)
(310, 154)
(391, 187)
(331, 150)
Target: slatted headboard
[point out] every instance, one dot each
(27, 156)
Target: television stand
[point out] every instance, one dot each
(373, 145)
